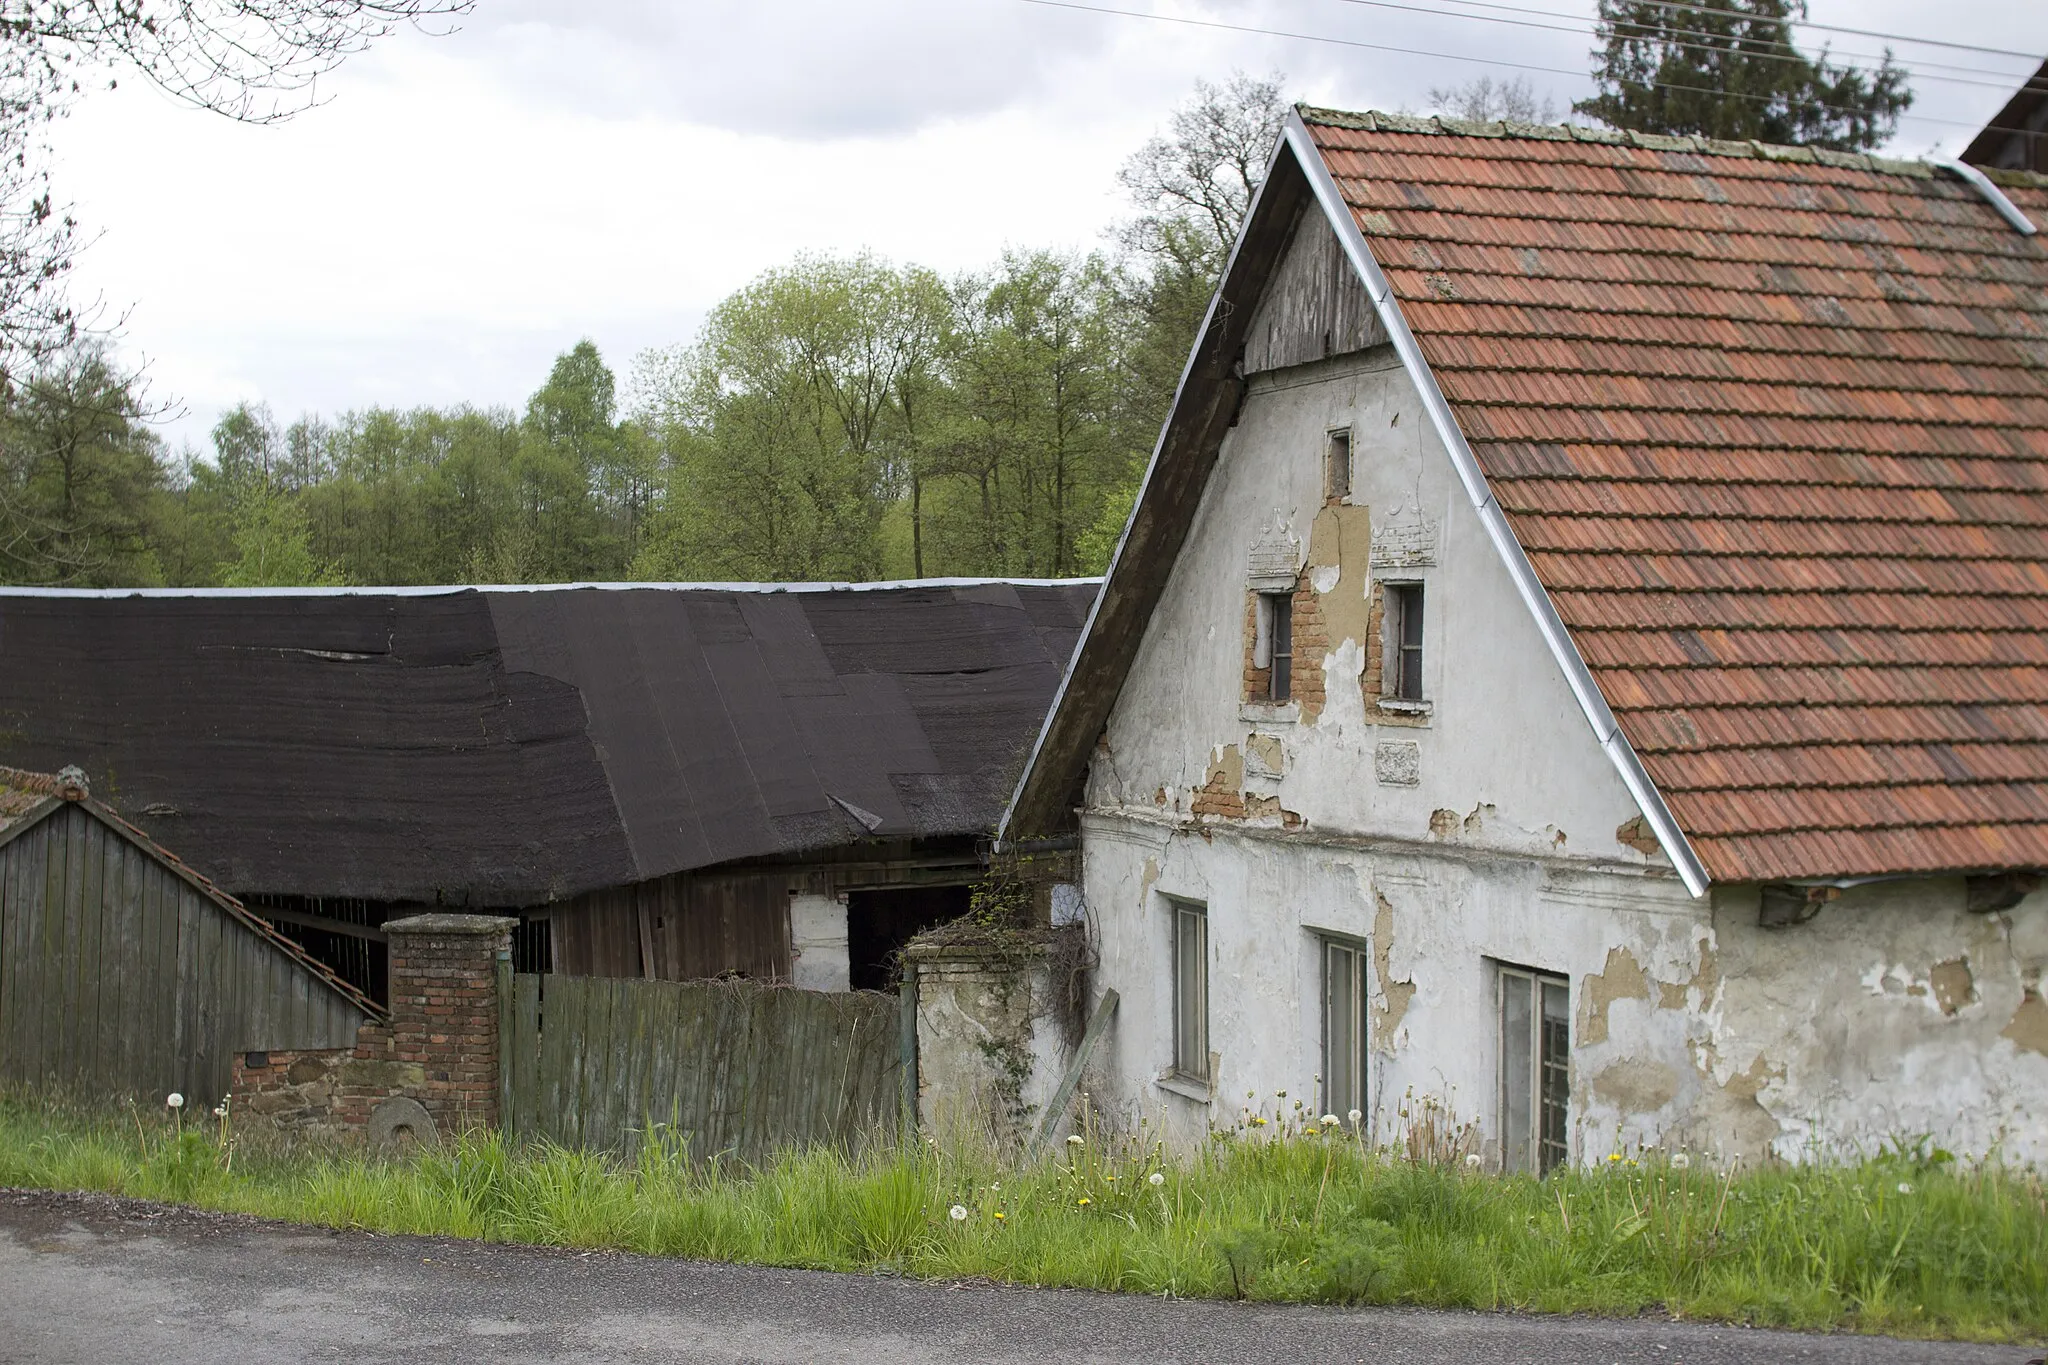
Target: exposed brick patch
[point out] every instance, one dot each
(1311, 645)
(1372, 681)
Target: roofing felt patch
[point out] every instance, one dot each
(1772, 426)
(487, 748)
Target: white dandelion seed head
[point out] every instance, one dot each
(1355, 1115)
(1680, 1161)
(1330, 1120)
(958, 1213)
(1156, 1178)
(175, 1100)
(1074, 1140)
(1473, 1159)
(1905, 1187)
(220, 1111)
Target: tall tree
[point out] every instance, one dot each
(1731, 70)
(81, 478)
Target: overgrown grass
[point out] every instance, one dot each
(1909, 1243)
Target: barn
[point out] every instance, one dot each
(782, 783)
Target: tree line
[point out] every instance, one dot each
(840, 417)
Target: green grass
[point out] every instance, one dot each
(1910, 1243)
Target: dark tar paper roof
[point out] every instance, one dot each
(506, 747)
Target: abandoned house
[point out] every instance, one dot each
(781, 783)
(1580, 657)
(123, 971)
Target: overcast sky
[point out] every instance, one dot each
(464, 207)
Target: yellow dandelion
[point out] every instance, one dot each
(1085, 1201)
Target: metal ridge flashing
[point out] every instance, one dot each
(443, 589)
(1992, 195)
(1598, 714)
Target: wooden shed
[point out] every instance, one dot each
(124, 972)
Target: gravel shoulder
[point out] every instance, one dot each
(92, 1278)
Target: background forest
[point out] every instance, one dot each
(842, 417)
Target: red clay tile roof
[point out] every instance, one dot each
(1772, 426)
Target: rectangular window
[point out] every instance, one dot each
(1273, 649)
(1190, 991)
(1535, 1070)
(1344, 1025)
(1337, 466)
(1403, 661)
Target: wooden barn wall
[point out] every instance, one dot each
(118, 977)
(1315, 307)
(679, 928)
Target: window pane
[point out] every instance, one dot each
(1191, 992)
(1283, 645)
(1517, 1067)
(1343, 1077)
(1555, 1140)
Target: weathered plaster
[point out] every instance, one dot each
(817, 933)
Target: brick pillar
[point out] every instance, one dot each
(444, 1011)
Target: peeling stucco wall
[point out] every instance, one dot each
(1488, 827)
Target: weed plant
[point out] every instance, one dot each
(1908, 1242)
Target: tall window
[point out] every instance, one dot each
(1273, 650)
(1344, 1023)
(1190, 991)
(1535, 1070)
(1337, 465)
(1403, 656)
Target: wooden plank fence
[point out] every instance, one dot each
(732, 1066)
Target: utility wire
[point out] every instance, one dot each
(1453, 57)
(1676, 37)
(1828, 28)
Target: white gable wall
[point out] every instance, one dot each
(1497, 838)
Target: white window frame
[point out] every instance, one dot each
(1188, 944)
(1399, 598)
(1534, 1032)
(1346, 1020)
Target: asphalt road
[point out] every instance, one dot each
(91, 1279)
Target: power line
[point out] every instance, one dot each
(1836, 28)
(1588, 27)
(1444, 56)
(1789, 53)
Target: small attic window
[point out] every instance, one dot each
(1403, 672)
(1273, 645)
(1337, 465)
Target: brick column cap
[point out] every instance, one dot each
(441, 923)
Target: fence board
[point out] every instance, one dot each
(737, 1067)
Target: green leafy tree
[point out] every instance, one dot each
(1731, 70)
(273, 544)
(81, 478)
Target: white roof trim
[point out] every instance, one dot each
(1991, 194)
(442, 589)
(1605, 728)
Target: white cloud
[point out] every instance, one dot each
(465, 207)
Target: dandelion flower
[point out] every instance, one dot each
(1613, 1157)
(1084, 1201)
(1905, 1187)
(1355, 1115)
(1474, 1160)
(175, 1100)
(999, 1215)
(1680, 1161)
(1074, 1139)
(1156, 1179)
(1330, 1120)
(959, 1213)
(220, 1111)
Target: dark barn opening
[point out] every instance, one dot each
(879, 923)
